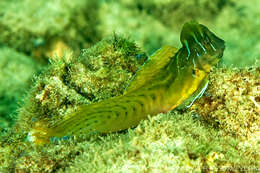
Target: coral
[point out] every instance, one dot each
(100, 72)
(36, 27)
(17, 71)
(231, 101)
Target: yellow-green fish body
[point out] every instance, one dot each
(168, 79)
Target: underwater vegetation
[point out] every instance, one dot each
(49, 28)
(179, 140)
(173, 13)
(232, 103)
(218, 133)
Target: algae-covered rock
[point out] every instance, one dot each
(232, 101)
(170, 142)
(100, 72)
(16, 73)
(45, 28)
(220, 133)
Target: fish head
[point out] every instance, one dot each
(201, 47)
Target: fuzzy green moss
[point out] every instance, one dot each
(17, 71)
(37, 27)
(100, 72)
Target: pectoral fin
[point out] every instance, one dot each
(196, 95)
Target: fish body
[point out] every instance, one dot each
(164, 82)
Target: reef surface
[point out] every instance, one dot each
(88, 51)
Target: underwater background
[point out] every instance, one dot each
(57, 55)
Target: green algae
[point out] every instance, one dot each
(77, 25)
(165, 143)
(174, 13)
(238, 25)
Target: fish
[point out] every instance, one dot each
(167, 79)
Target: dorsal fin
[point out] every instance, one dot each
(155, 63)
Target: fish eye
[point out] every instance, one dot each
(193, 72)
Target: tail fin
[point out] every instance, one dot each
(39, 134)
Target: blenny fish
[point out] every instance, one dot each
(169, 78)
